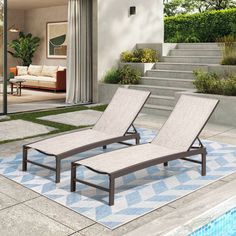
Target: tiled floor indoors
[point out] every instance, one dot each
(23, 212)
(33, 99)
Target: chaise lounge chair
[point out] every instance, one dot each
(176, 140)
(112, 127)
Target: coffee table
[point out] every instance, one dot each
(18, 84)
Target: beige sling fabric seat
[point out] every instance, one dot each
(64, 143)
(175, 140)
(124, 158)
(112, 127)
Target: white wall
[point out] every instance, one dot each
(35, 23)
(117, 31)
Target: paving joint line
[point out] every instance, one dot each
(50, 217)
(17, 199)
(5, 208)
(219, 133)
(79, 231)
(172, 206)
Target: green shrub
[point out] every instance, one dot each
(200, 27)
(146, 55)
(179, 38)
(112, 76)
(229, 86)
(122, 75)
(228, 47)
(126, 56)
(212, 83)
(129, 75)
(229, 60)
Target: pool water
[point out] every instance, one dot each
(225, 225)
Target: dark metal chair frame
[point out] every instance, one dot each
(58, 158)
(165, 159)
(192, 151)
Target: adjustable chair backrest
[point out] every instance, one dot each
(122, 111)
(185, 122)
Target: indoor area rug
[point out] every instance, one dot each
(136, 194)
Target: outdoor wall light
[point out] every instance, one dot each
(132, 10)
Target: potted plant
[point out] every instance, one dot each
(24, 48)
(140, 59)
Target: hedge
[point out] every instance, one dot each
(200, 27)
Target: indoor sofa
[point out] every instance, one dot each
(41, 77)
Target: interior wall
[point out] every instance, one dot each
(16, 18)
(35, 23)
(118, 31)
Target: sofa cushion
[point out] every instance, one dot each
(22, 70)
(61, 68)
(47, 84)
(50, 71)
(35, 70)
(26, 77)
(46, 79)
(33, 83)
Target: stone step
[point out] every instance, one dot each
(180, 66)
(170, 74)
(197, 46)
(168, 82)
(157, 110)
(193, 59)
(158, 90)
(161, 100)
(196, 52)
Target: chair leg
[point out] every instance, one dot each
(104, 147)
(111, 191)
(166, 164)
(203, 164)
(24, 161)
(58, 170)
(137, 141)
(73, 177)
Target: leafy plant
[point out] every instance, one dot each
(24, 48)
(129, 75)
(122, 75)
(212, 83)
(126, 56)
(112, 76)
(228, 47)
(146, 55)
(229, 60)
(203, 27)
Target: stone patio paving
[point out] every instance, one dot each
(23, 212)
(19, 129)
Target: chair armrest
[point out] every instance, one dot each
(13, 70)
(61, 80)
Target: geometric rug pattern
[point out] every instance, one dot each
(136, 194)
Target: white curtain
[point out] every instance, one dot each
(79, 61)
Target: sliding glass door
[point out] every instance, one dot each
(3, 57)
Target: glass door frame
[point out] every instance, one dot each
(5, 70)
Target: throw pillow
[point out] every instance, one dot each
(61, 68)
(35, 70)
(50, 71)
(22, 70)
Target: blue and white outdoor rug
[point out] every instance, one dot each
(136, 194)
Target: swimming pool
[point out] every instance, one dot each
(224, 225)
(218, 221)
